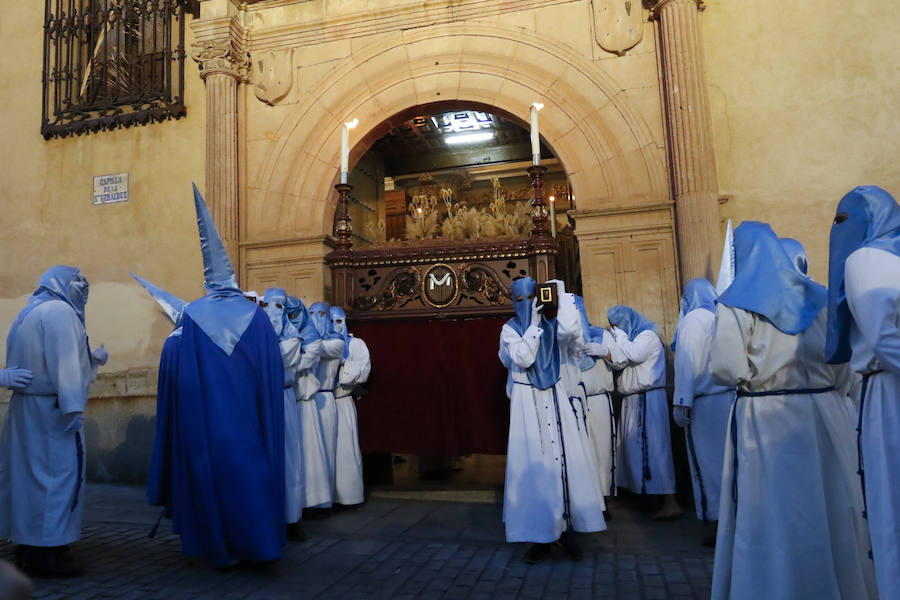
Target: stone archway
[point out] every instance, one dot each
(607, 143)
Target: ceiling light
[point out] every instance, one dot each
(470, 138)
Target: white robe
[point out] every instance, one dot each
(585, 490)
(644, 421)
(326, 373)
(598, 384)
(295, 494)
(790, 518)
(872, 284)
(533, 498)
(42, 465)
(710, 406)
(348, 487)
(316, 481)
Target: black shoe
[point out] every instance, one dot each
(316, 513)
(607, 516)
(48, 563)
(537, 553)
(709, 541)
(569, 543)
(295, 532)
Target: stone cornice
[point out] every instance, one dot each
(402, 16)
(655, 6)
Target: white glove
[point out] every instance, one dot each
(15, 378)
(99, 356)
(76, 422)
(682, 415)
(536, 313)
(618, 334)
(596, 349)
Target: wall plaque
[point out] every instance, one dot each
(110, 189)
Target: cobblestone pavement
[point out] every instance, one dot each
(389, 548)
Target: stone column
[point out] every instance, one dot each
(223, 67)
(690, 137)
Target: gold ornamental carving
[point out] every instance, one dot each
(618, 24)
(221, 57)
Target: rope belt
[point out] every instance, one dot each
(567, 512)
(734, 427)
(346, 396)
(791, 392)
(325, 391)
(645, 451)
(79, 454)
(859, 450)
(689, 434)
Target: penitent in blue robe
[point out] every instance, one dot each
(218, 457)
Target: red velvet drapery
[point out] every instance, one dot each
(436, 388)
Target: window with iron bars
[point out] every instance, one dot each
(112, 63)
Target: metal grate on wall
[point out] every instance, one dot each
(112, 63)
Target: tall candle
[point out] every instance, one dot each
(535, 134)
(345, 147)
(553, 216)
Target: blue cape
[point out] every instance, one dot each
(544, 372)
(630, 321)
(698, 293)
(338, 314)
(585, 362)
(872, 221)
(767, 283)
(218, 455)
(57, 283)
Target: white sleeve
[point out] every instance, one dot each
(688, 359)
(333, 348)
(291, 353)
(568, 321)
(357, 365)
(617, 360)
(728, 359)
(309, 360)
(641, 349)
(521, 349)
(64, 343)
(874, 307)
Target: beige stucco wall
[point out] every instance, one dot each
(48, 219)
(804, 98)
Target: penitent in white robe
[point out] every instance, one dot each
(585, 491)
(327, 371)
(644, 457)
(872, 284)
(348, 487)
(316, 480)
(534, 502)
(294, 478)
(42, 465)
(790, 518)
(598, 384)
(710, 405)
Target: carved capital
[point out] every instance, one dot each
(221, 57)
(656, 6)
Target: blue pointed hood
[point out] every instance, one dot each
(767, 283)
(320, 314)
(60, 282)
(223, 314)
(171, 304)
(869, 218)
(630, 321)
(339, 324)
(301, 320)
(797, 253)
(698, 293)
(585, 362)
(544, 372)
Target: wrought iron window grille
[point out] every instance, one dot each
(111, 64)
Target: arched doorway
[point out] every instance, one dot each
(442, 211)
